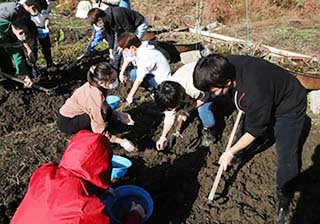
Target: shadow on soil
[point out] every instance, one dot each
(308, 184)
(173, 185)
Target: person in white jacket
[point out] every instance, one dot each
(151, 67)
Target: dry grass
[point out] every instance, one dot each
(183, 12)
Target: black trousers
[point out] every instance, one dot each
(73, 125)
(5, 62)
(287, 131)
(46, 49)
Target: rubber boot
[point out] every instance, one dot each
(208, 136)
(283, 208)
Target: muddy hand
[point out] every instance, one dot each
(177, 134)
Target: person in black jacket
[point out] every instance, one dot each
(269, 96)
(115, 21)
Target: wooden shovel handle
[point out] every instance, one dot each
(217, 179)
(35, 86)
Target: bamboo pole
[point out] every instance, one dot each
(232, 39)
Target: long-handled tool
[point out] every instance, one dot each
(217, 179)
(35, 86)
(73, 62)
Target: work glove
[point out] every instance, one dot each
(225, 159)
(111, 59)
(138, 208)
(125, 118)
(128, 146)
(27, 82)
(160, 143)
(183, 115)
(129, 100)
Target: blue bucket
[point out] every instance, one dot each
(120, 205)
(42, 33)
(120, 166)
(113, 101)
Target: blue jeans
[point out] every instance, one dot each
(148, 82)
(206, 114)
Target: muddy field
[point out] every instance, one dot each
(179, 178)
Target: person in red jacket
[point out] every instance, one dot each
(69, 192)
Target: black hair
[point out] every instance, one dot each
(103, 72)
(94, 14)
(168, 95)
(128, 39)
(213, 71)
(39, 4)
(27, 25)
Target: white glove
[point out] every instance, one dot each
(129, 100)
(138, 208)
(225, 159)
(125, 118)
(160, 143)
(27, 82)
(111, 57)
(128, 146)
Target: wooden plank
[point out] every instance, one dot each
(271, 49)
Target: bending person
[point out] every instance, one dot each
(12, 38)
(270, 97)
(13, 11)
(152, 67)
(71, 192)
(171, 97)
(87, 107)
(110, 24)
